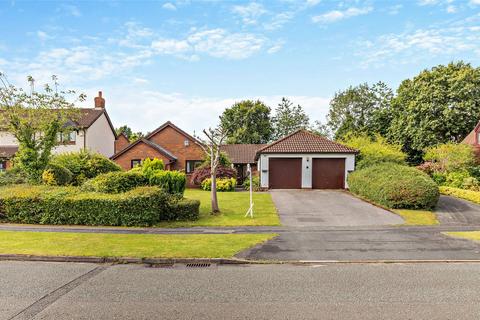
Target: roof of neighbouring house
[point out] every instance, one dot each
(242, 153)
(303, 141)
(155, 146)
(8, 151)
(171, 125)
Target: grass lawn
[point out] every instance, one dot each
(417, 217)
(128, 245)
(233, 206)
(470, 235)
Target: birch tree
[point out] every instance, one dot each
(211, 146)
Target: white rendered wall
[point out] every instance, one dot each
(306, 165)
(100, 137)
(7, 139)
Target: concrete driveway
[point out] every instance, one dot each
(320, 208)
(455, 211)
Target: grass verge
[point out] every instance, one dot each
(417, 217)
(128, 245)
(233, 206)
(469, 235)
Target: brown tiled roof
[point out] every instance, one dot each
(8, 151)
(303, 141)
(153, 145)
(471, 137)
(88, 116)
(242, 153)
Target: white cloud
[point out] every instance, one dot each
(451, 9)
(135, 33)
(337, 15)
(279, 20)
(43, 36)
(145, 110)
(419, 44)
(169, 6)
(475, 2)
(312, 3)
(250, 12)
(395, 9)
(171, 46)
(427, 2)
(71, 10)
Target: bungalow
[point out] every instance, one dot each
(241, 155)
(92, 131)
(303, 160)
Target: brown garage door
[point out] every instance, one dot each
(328, 173)
(285, 173)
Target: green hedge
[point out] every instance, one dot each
(395, 186)
(144, 206)
(85, 165)
(56, 175)
(173, 182)
(115, 182)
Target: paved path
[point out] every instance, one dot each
(455, 211)
(375, 291)
(307, 208)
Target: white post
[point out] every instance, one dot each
(250, 210)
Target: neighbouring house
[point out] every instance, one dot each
(241, 155)
(92, 131)
(121, 142)
(473, 139)
(305, 160)
(178, 150)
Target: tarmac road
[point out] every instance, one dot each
(42, 290)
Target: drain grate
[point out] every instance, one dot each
(161, 265)
(198, 265)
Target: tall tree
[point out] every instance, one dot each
(35, 119)
(132, 136)
(437, 106)
(247, 122)
(288, 118)
(363, 108)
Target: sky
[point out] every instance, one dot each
(186, 61)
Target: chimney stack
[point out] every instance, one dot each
(99, 101)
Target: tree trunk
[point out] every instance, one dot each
(215, 209)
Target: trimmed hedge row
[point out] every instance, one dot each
(115, 182)
(143, 206)
(395, 186)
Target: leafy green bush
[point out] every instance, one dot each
(149, 167)
(455, 179)
(143, 206)
(115, 182)
(185, 209)
(12, 176)
(224, 161)
(469, 195)
(255, 183)
(173, 182)
(56, 175)
(451, 157)
(374, 151)
(85, 165)
(395, 186)
(222, 184)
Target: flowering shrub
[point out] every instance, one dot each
(226, 184)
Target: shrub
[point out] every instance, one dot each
(12, 176)
(255, 183)
(225, 184)
(149, 167)
(56, 175)
(85, 165)
(173, 182)
(115, 182)
(455, 179)
(374, 151)
(185, 209)
(143, 206)
(450, 157)
(469, 195)
(203, 173)
(395, 186)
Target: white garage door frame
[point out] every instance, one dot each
(263, 161)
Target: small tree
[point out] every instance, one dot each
(215, 139)
(35, 118)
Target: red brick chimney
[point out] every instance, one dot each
(99, 101)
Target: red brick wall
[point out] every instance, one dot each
(174, 142)
(139, 151)
(121, 143)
